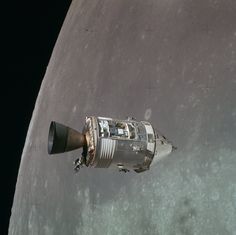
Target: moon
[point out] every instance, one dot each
(112, 49)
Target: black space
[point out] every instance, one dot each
(29, 34)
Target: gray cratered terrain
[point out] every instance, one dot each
(172, 63)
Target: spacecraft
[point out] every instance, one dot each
(123, 144)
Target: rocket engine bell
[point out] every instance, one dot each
(107, 142)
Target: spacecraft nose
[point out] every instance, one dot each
(162, 151)
(63, 139)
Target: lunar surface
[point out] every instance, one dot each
(172, 63)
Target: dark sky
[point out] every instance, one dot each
(30, 32)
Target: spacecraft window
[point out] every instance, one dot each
(150, 138)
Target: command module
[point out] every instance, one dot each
(107, 142)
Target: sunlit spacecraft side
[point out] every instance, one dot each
(107, 142)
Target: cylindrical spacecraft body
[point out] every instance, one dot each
(126, 144)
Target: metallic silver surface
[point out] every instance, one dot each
(172, 63)
(107, 149)
(124, 144)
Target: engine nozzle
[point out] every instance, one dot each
(63, 139)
